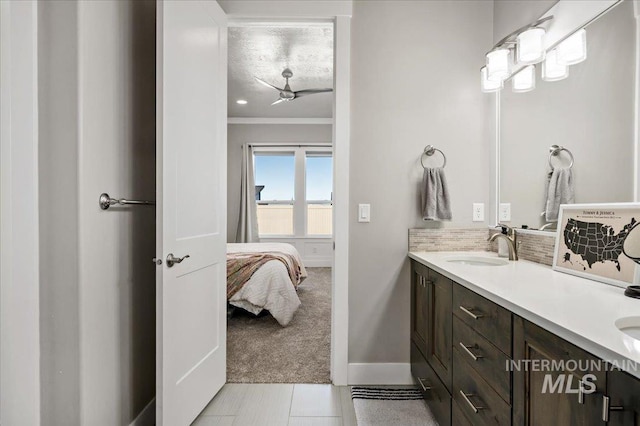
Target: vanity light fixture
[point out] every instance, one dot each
(573, 50)
(241, 102)
(530, 46)
(552, 70)
(524, 80)
(498, 64)
(487, 85)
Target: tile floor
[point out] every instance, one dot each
(239, 404)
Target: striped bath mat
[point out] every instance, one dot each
(382, 406)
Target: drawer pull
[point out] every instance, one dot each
(467, 349)
(422, 385)
(468, 312)
(466, 396)
(606, 408)
(580, 392)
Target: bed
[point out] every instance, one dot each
(265, 276)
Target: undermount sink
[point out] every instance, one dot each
(629, 326)
(477, 261)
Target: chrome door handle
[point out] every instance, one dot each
(172, 260)
(468, 312)
(157, 261)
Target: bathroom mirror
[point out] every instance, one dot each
(591, 113)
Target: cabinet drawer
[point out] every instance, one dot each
(457, 418)
(484, 316)
(484, 357)
(435, 393)
(476, 399)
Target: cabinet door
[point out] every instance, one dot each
(419, 275)
(439, 325)
(624, 399)
(545, 397)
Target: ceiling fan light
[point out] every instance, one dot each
(573, 50)
(552, 70)
(498, 64)
(487, 85)
(530, 46)
(524, 80)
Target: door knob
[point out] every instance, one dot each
(172, 260)
(157, 261)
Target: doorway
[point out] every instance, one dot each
(290, 141)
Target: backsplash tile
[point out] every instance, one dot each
(532, 247)
(467, 239)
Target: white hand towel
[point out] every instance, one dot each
(435, 195)
(560, 191)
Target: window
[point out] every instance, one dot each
(318, 194)
(294, 191)
(275, 192)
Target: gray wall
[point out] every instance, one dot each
(98, 283)
(415, 81)
(238, 134)
(592, 112)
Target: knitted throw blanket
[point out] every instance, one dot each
(242, 266)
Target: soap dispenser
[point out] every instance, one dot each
(503, 248)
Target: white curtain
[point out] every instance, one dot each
(248, 220)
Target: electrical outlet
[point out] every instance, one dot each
(505, 212)
(478, 212)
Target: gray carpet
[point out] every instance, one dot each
(259, 350)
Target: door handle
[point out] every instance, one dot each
(157, 261)
(172, 260)
(606, 407)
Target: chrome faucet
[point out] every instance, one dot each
(511, 239)
(550, 225)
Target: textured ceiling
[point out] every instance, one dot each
(264, 51)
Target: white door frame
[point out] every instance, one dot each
(19, 242)
(338, 12)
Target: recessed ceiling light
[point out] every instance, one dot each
(241, 102)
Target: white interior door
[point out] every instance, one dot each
(191, 207)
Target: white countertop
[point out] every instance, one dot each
(578, 310)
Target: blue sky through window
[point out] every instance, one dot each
(277, 174)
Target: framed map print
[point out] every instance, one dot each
(596, 241)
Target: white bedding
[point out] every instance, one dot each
(270, 286)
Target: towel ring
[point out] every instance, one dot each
(429, 150)
(554, 150)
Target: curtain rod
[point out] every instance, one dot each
(291, 145)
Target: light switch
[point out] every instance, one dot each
(364, 212)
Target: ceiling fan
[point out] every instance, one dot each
(286, 94)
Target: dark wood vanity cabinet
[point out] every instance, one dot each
(474, 361)
(623, 405)
(561, 400)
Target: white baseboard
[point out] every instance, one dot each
(380, 374)
(317, 263)
(147, 416)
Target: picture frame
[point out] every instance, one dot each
(590, 242)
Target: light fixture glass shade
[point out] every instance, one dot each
(487, 85)
(552, 70)
(498, 64)
(530, 46)
(574, 49)
(524, 80)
